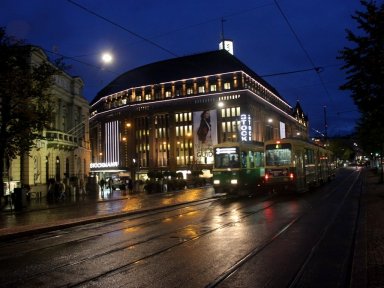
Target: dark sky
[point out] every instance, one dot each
(272, 37)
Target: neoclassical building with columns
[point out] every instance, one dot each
(64, 151)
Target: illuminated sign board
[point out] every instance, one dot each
(104, 165)
(245, 127)
(230, 150)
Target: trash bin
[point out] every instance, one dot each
(19, 199)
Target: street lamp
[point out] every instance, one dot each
(107, 58)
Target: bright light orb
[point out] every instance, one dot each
(107, 57)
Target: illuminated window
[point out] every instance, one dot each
(201, 89)
(148, 96)
(168, 94)
(227, 85)
(189, 91)
(213, 88)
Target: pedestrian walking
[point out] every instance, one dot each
(61, 186)
(51, 190)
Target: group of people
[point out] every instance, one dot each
(58, 190)
(126, 185)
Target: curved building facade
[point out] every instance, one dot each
(167, 115)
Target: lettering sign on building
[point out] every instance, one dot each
(245, 127)
(104, 165)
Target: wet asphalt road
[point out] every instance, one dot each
(275, 241)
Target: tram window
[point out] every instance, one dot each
(259, 159)
(227, 160)
(309, 156)
(234, 162)
(251, 159)
(278, 155)
(243, 159)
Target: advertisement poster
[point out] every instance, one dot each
(204, 135)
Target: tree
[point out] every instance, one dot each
(342, 147)
(364, 65)
(25, 102)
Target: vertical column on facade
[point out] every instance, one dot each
(184, 90)
(220, 136)
(172, 141)
(152, 163)
(132, 145)
(58, 116)
(257, 120)
(133, 96)
(235, 81)
(152, 91)
(142, 93)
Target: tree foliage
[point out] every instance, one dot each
(342, 147)
(25, 100)
(364, 65)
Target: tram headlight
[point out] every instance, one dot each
(234, 181)
(216, 182)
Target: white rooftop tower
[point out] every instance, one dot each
(226, 45)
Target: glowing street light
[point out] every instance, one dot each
(107, 58)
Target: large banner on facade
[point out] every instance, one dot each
(204, 135)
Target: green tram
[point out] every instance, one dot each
(238, 168)
(296, 165)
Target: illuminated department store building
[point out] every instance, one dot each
(147, 119)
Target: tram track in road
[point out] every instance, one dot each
(183, 242)
(175, 238)
(229, 272)
(124, 245)
(62, 233)
(296, 279)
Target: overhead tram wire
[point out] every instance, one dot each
(304, 50)
(123, 28)
(317, 69)
(78, 61)
(292, 72)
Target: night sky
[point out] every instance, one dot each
(292, 44)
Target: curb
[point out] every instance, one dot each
(20, 231)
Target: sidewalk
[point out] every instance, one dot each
(39, 215)
(373, 222)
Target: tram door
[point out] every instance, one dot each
(300, 169)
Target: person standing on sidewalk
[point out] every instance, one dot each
(102, 183)
(130, 185)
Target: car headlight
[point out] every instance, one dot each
(234, 181)
(216, 182)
